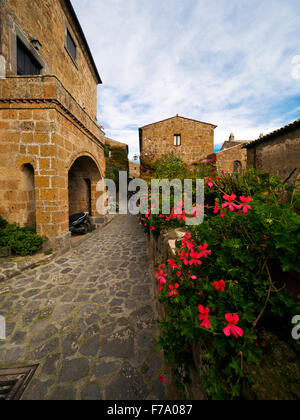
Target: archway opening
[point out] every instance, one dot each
(83, 177)
(26, 197)
(237, 167)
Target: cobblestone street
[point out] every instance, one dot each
(88, 319)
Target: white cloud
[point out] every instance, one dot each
(228, 63)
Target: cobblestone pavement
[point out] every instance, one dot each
(88, 319)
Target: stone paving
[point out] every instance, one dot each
(88, 319)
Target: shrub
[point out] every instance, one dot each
(170, 166)
(3, 223)
(21, 241)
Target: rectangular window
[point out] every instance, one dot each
(177, 140)
(27, 65)
(71, 46)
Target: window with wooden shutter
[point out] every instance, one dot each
(71, 46)
(27, 65)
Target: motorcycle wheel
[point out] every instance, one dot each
(80, 230)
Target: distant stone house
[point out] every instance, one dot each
(277, 152)
(232, 156)
(117, 155)
(134, 170)
(51, 148)
(192, 140)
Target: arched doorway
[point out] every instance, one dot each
(26, 196)
(82, 180)
(237, 167)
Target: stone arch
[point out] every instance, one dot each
(27, 161)
(83, 176)
(84, 154)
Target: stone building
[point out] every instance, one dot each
(232, 156)
(277, 152)
(134, 170)
(51, 148)
(190, 139)
(117, 154)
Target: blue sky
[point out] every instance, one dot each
(235, 64)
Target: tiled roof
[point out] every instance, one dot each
(171, 118)
(228, 144)
(289, 127)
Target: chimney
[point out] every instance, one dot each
(231, 137)
(261, 135)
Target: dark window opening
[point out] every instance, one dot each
(89, 191)
(177, 140)
(71, 46)
(27, 65)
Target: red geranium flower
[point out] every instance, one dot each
(173, 291)
(232, 206)
(232, 328)
(209, 182)
(204, 317)
(195, 258)
(204, 251)
(172, 264)
(219, 285)
(162, 380)
(184, 257)
(245, 206)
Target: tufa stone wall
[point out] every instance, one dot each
(134, 170)
(279, 155)
(197, 140)
(48, 132)
(225, 159)
(48, 21)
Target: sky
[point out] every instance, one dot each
(232, 63)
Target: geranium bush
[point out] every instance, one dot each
(218, 289)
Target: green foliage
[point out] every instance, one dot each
(116, 160)
(170, 166)
(49, 252)
(3, 223)
(21, 241)
(112, 172)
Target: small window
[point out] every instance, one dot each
(71, 46)
(27, 65)
(177, 140)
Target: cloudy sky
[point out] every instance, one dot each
(233, 63)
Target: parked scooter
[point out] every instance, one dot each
(79, 224)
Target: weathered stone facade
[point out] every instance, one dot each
(134, 170)
(277, 153)
(47, 22)
(49, 140)
(232, 156)
(196, 139)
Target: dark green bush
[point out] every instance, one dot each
(170, 166)
(20, 241)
